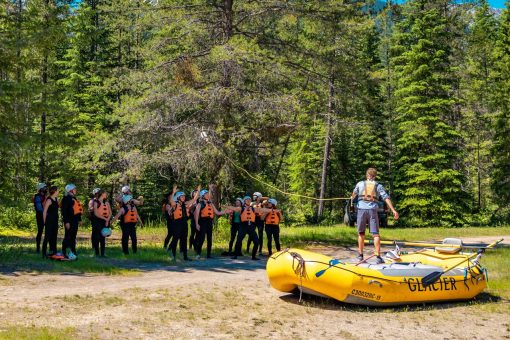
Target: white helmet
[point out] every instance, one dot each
(70, 187)
(41, 186)
(257, 194)
(126, 189)
(95, 191)
(272, 201)
(106, 232)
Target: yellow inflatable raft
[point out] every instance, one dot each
(427, 275)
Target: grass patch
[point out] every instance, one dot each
(43, 333)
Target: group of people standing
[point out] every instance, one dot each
(246, 217)
(47, 206)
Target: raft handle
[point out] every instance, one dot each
(376, 282)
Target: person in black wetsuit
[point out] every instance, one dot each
(204, 217)
(180, 217)
(39, 200)
(272, 221)
(72, 211)
(167, 210)
(248, 226)
(102, 212)
(128, 216)
(50, 218)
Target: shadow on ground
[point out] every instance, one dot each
(332, 304)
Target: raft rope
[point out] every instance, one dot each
(299, 269)
(249, 175)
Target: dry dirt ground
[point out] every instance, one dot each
(224, 298)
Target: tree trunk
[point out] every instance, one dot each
(327, 149)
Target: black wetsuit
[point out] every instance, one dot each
(169, 228)
(98, 240)
(247, 228)
(39, 199)
(128, 231)
(180, 232)
(193, 229)
(206, 230)
(234, 231)
(51, 228)
(73, 220)
(273, 230)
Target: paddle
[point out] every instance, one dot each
(331, 264)
(423, 244)
(434, 276)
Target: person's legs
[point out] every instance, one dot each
(168, 234)
(260, 229)
(102, 242)
(374, 230)
(53, 234)
(269, 234)
(253, 232)
(134, 240)
(239, 242)
(45, 240)
(177, 236)
(361, 223)
(200, 237)
(125, 238)
(233, 232)
(74, 233)
(209, 237)
(40, 228)
(183, 239)
(193, 233)
(276, 234)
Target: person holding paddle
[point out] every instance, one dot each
(368, 193)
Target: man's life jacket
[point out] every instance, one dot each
(369, 193)
(130, 215)
(272, 218)
(247, 214)
(206, 210)
(178, 212)
(77, 207)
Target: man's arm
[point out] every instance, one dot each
(386, 198)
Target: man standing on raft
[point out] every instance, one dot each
(368, 193)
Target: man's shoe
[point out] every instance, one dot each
(379, 260)
(360, 257)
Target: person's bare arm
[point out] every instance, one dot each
(390, 205)
(197, 215)
(172, 202)
(45, 209)
(121, 211)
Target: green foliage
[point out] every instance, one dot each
(106, 93)
(429, 180)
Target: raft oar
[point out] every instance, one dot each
(434, 276)
(423, 244)
(331, 264)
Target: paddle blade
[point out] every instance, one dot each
(320, 272)
(431, 278)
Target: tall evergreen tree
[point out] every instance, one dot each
(429, 181)
(501, 146)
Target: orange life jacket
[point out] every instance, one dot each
(273, 218)
(77, 207)
(248, 214)
(103, 209)
(130, 215)
(178, 212)
(207, 210)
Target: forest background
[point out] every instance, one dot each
(303, 95)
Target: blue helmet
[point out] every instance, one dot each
(203, 192)
(239, 199)
(70, 187)
(178, 194)
(272, 201)
(246, 198)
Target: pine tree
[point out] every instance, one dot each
(429, 181)
(501, 146)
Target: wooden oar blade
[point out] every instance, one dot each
(431, 278)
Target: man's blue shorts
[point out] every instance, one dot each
(370, 218)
